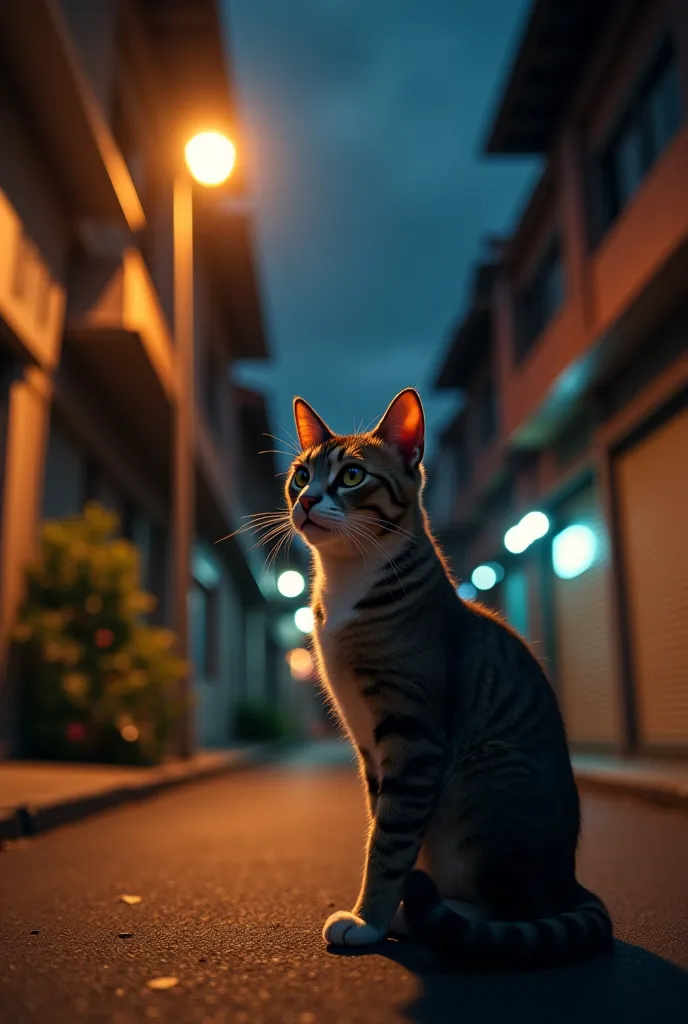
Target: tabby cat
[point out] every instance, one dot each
(473, 804)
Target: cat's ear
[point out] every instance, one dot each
(311, 430)
(403, 426)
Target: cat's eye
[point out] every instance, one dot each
(352, 475)
(301, 477)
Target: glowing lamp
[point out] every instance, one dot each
(210, 158)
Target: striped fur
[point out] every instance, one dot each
(461, 744)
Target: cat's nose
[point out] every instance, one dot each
(308, 501)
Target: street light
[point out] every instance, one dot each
(210, 159)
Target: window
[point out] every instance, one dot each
(65, 477)
(644, 130)
(487, 412)
(204, 629)
(540, 299)
(99, 488)
(158, 572)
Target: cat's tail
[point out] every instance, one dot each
(583, 931)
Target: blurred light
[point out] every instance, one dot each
(532, 526)
(303, 619)
(130, 733)
(573, 551)
(515, 540)
(300, 662)
(210, 158)
(291, 583)
(498, 570)
(484, 577)
(467, 591)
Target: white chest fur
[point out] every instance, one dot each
(338, 604)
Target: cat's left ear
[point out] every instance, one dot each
(403, 426)
(310, 429)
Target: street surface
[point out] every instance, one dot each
(236, 877)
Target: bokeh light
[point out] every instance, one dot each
(484, 577)
(291, 583)
(532, 526)
(303, 619)
(300, 663)
(573, 551)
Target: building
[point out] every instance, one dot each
(96, 103)
(572, 364)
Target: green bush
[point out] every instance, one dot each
(98, 683)
(260, 722)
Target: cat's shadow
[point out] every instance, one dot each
(631, 986)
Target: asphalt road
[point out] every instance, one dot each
(236, 877)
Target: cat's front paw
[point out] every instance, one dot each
(346, 929)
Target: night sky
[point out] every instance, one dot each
(363, 123)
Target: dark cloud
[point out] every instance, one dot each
(363, 126)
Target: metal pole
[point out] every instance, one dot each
(184, 466)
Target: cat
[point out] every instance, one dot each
(474, 810)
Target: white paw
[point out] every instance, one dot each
(346, 929)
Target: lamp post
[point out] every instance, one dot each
(210, 160)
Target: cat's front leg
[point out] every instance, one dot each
(369, 777)
(407, 799)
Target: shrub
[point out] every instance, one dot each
(259, 721)
(99, 684)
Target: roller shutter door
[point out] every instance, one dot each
(584, 666)
(652, 494)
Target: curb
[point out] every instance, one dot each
(664, 792)
(30, 820)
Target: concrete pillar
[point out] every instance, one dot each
(28, 421)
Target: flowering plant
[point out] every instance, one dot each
(99, 684)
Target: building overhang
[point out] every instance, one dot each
(555, 49)
(44, 71)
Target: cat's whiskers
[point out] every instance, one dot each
(256, 521)
(387, 525)
(272, 557)
(276, 451)
(275, 531)
(365, 535)
(288, 440)
(348, 534)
